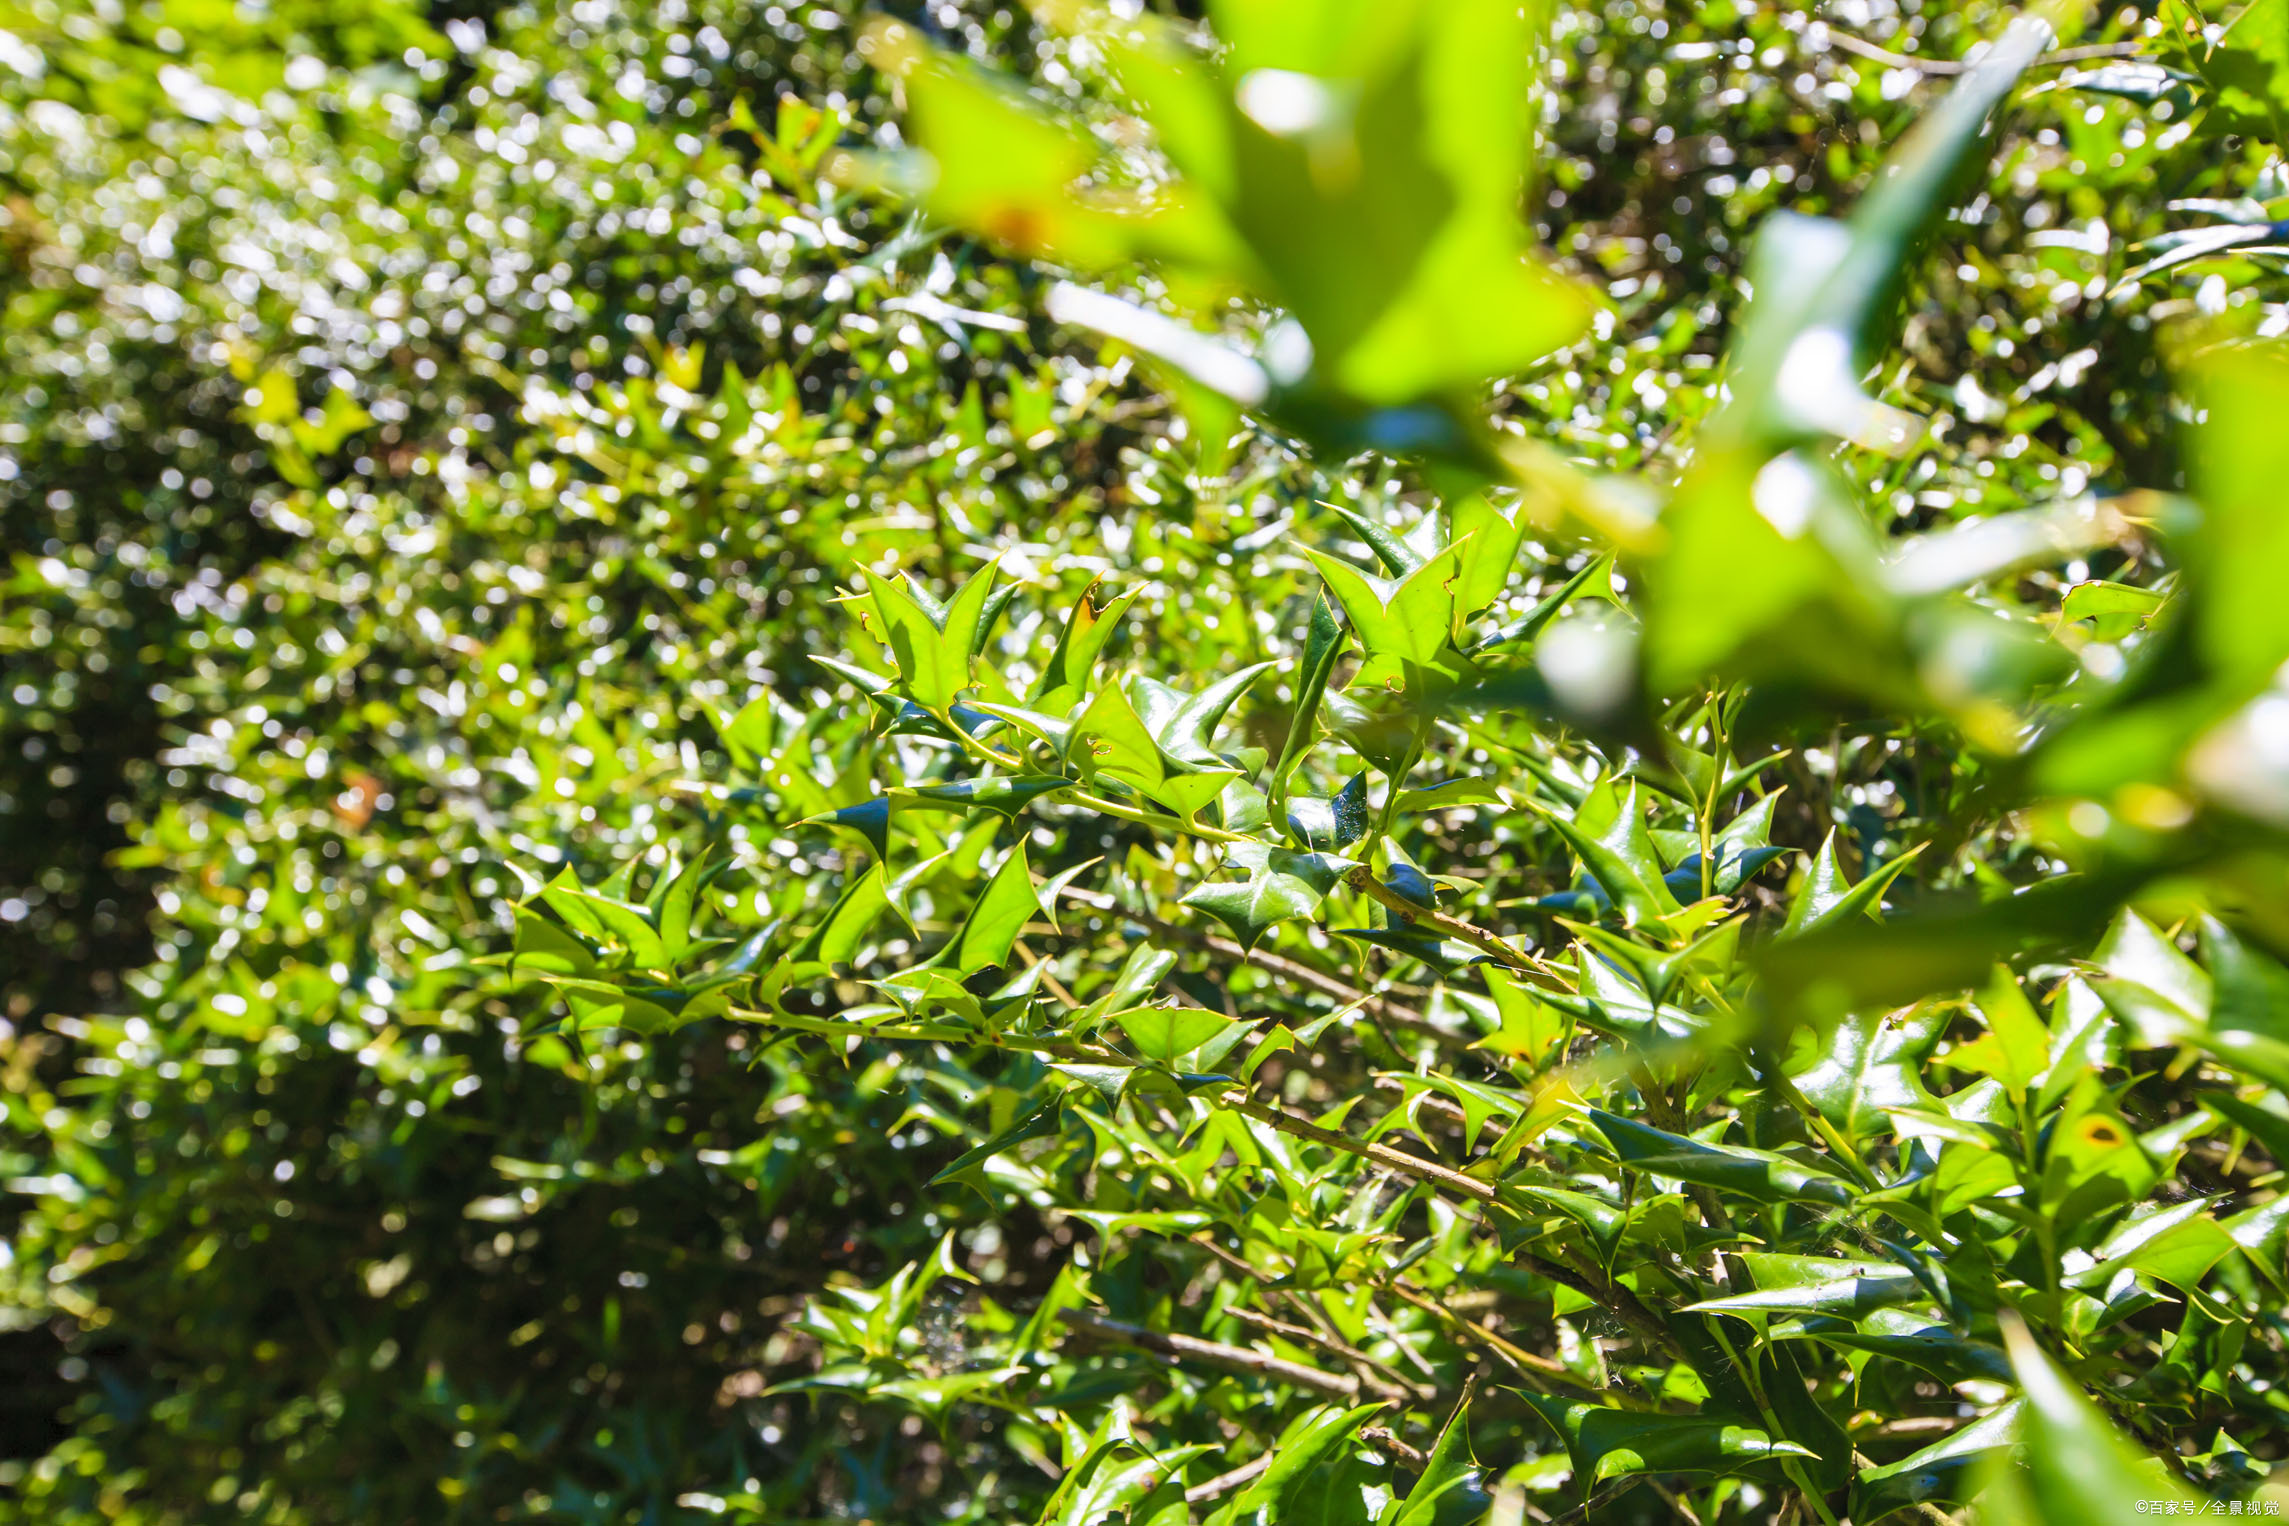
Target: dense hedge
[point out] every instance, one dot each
(433, 446)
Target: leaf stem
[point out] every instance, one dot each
(1382, 1155)
(1363, 880)
(1115, 809)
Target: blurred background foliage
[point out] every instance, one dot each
(426, 434)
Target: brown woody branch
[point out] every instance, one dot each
(1471, 1330)
(1381, 1436)
(1413, 914)
(1382, 1155)
(1373, 1378)
(1225, 1483)
(1214, 1353)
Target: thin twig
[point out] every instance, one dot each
(1381, 1436)
(1192, 1348)
(1304, 1306)
(1612, 1296)
(1581, 1512)
(1414, 914)
(942, 1033)
(1517, 1356)
(1381, 1154)
(1273, 964)
(1947, 66)
(1032, 960)
(1371, 1379)
(1225, 1483)
(1677, 1507)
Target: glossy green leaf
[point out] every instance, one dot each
(1817, 1285)
(1759, 1174)
(1005, 797)
(1280, 885)
(999, 915)
(1619, 854)
(2076, 1466)
(932, 644)
(1614, 1443)
(1942, 1474)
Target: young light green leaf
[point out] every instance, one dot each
(932, 645)
(2016, 1048)
(1083, 639)
(1008, 902)
(1167, 1031)
(837, 936)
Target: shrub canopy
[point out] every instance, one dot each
(1331, 763)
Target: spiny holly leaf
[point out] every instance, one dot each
(1110, 737)
(1827, 899)
(1167, 1032)
(1740, 849)
(544, 948)
(1303, 1448)
(1333, 824)
(1759, 1174)
(2162, 995)
(2249, 990)
(1004, 797)
(1903, 1335)
(1447, 1468)
(1608, 1443)
(1087, 630)
(2177, 1244)
(836, 938)
(931, 643)
(1941, 1474)
(1595, 574)
(1869, 1063)
(1008, 902)
(1118, 1482)
(1619, 853)
(607, 918)
(1441, 954)
(1411, 619)
(1399, 554)
(1816, 1285)
(870, 819)
(599, 1004)
(1323, 643)
(1489, 539)
(2016, 1048)
(1183, 723)
(1280, 885)
(2077, 1466)
(969, 1167)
